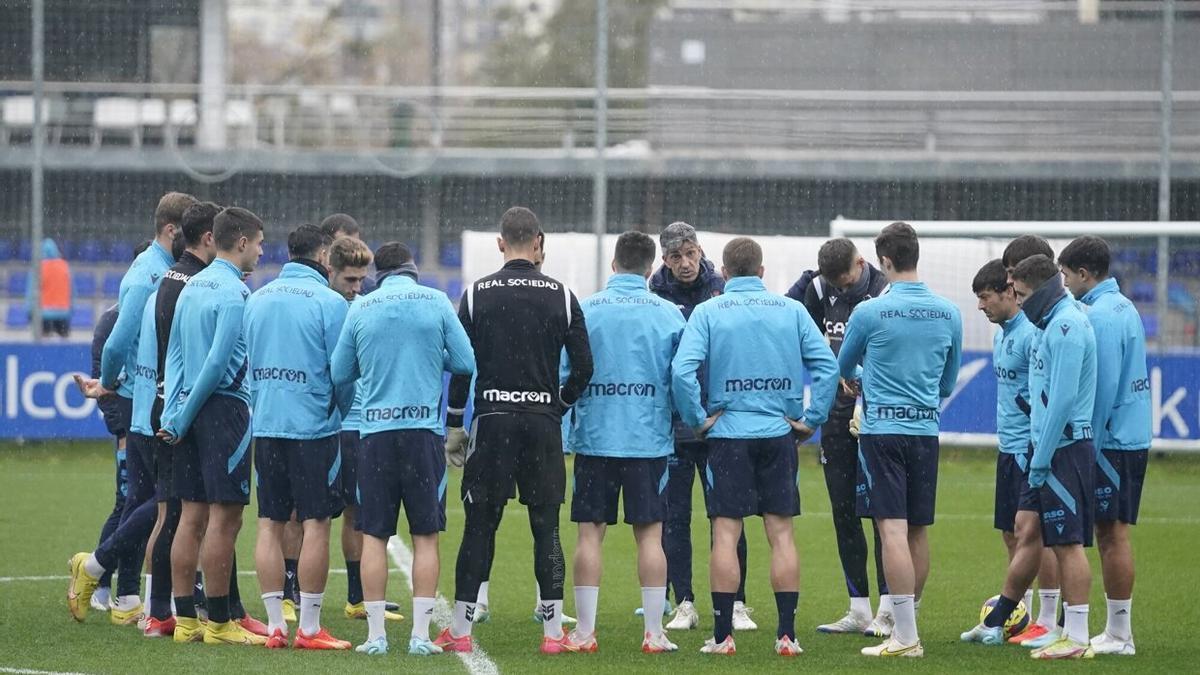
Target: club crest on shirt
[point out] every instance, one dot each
(1065, 328)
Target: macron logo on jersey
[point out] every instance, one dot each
(758, 384)
(498, 396)
(408, 412)
(621, 389)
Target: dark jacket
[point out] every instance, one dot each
(109, 406)
(709, 284)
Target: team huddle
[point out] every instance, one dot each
(331, 380)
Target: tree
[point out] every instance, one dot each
(562, 53)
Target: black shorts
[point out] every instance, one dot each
(521, 450)
(164, 481)
(749, 477)
(350, 443)
(602, 482)
(211, 464)
(1064, 502)
(300, 475)
(123, 412)
(403, 467)
(1012, 474)
(1120, 475)
(897, 477)
(140, 468)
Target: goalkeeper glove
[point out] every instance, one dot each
(456, 446)
(856, 421)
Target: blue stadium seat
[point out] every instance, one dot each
(1143, 291)
(1150, 324)
(18, 283)
(275, 253)
(16, 317)
(1185, 262)
(112, 284)
(454, 289)
(7, 250)
(83, 317)
(90, 251)
(116, 251)
(450, 254)
(24, 250)
(84, 283)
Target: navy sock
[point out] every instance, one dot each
(722, 615)
(218, 608)
(785, 602)
(236, 610)
(161, 608)
(1000, 613)
(185, 606)
(354, 592)
(741, 551)
(291, 588)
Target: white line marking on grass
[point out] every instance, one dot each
(28, 671)
(476, 662)
(45, 578)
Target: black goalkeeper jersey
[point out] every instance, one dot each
(519, 320)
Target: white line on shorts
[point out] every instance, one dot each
(477, 661)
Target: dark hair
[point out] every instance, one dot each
(305, 241)
(197, 220)
(141, 247)
(232, 224)
(993, 276)
(1024, 246)
(340, 223)
(1088, 252)
(635, 252)
(392, 255)
(519, 226)
(742, 257)
(835, 258)
(170, 209)
(347, 252)
(1035, 270)
(898, 243)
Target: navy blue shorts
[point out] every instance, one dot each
(300, 475)
(748, 477)
(1064, 502)
(1012, 475)
(897, 477)
(123, 414)
(1119, 478)
(164, 481)
(140, 466)
(602, 482)
(403, 467)
(350, 443)
(211, 464)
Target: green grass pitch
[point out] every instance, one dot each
(56, 496)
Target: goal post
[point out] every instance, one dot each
(1158, 266)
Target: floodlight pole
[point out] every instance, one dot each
(1164, 166)
(36, 197)
(600, 179)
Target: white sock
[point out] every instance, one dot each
(127, 602)
(102, 595)
(885, 603)
(905, 613)
(463, 611)
(482, 599)
(653, 600)
(146, 601)
(422, 613)
(551, 618)
(273, 602)
(861, 608)
(1119, 612)
(93, 566)
(1076, 625)
(376, 621)
(1028, 600)
(1048, 607)
(586, 599)
(310, 612)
